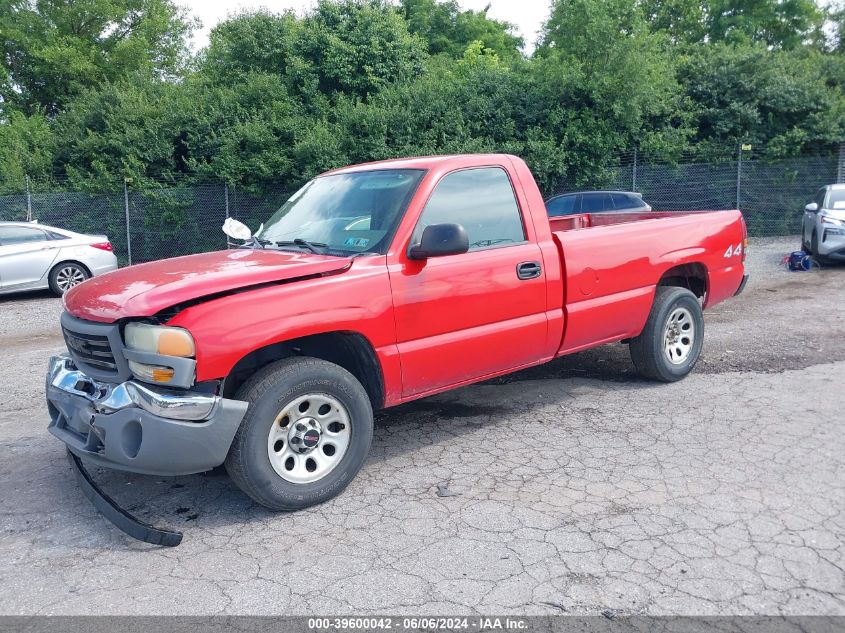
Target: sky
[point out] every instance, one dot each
(527, 15)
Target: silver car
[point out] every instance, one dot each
(823, 227)
(34, 256)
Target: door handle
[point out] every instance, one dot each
(528, 270)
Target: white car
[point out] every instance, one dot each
(823, 227)
(34, 256)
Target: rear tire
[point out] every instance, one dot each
(284, 468)
(670, 344)
(65, 276)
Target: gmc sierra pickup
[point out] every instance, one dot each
(373, 285)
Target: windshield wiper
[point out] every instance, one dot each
(314, 247)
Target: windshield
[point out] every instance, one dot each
(349, 213)
(836, 199)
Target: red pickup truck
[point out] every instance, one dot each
(373, 285)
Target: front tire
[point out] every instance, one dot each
(305, 435)
(670, 344)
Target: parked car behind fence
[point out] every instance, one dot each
(596, 202)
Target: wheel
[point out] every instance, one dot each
(65, 276)
(305, 435)
(670, 344)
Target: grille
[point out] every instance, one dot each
(92, 350)
(96, 348)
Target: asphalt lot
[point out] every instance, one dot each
(570, 488)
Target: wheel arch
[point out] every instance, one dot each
(347, 349)
(62, 262)
(692, 276)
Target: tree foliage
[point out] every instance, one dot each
(54, 49)
(448, 30)
(781, 24)
(98, 90)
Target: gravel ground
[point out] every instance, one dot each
(571, 488)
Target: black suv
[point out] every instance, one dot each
(596, 202)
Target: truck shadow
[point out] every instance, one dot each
(212, 500)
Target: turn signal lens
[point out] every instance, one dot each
(162, 374)
(151, 373)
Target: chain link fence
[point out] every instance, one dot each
(168, 221)
(155, 223)
(770, 193)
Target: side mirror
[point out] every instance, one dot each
(240, 231)
(811, 208)
(236, 230)
(439, 240)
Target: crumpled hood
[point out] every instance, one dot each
(145, 289)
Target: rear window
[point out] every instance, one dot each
(562, 205)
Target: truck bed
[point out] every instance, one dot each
(611, 271)
(589, 220)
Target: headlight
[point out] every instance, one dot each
(157, 339)
(826, 219)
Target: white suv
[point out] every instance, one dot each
(823, 227)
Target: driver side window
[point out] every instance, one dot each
(482, 201)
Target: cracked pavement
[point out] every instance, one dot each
(572, 488)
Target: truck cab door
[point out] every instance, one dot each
(462, 317)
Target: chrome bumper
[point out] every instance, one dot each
(134, 427)
(108, 398)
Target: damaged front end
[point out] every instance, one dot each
(138, 428)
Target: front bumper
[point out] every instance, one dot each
(131, 426)
(832, 243)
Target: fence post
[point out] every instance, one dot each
(634, 172)
(840, 171)
(28, 200)
(226, 199)
(126, 182)
(738, 175)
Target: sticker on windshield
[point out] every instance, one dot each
(359, 242)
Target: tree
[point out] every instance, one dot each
(780, 24)
(252, 41)
(352, 47)
(604, 83)
(26, 144)
(52, 49)
(355, 47)
(784, 100)
(449, 30)
(785, 24)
